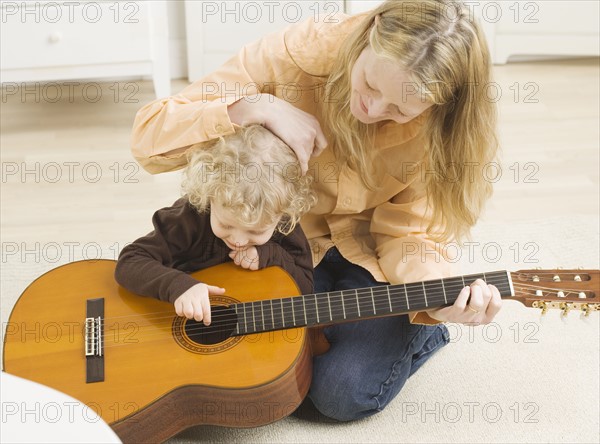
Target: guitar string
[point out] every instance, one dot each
(226, 326)
(233, 323)
(382, 289)
(289, 310)
(167, 333)
(369, 289)
(353, 306)
(470, 276)
(412, 283)
(377, 291)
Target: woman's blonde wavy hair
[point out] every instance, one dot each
(441, 46)
(253, 174)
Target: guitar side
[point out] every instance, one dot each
(156, 381)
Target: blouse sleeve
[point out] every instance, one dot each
(165, 128)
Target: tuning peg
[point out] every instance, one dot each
(565, 307)
(585, 308)
(577, 278)
(544, 306)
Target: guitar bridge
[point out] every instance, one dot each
(94, 345)
(93, 336)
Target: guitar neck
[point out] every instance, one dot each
(348, 305)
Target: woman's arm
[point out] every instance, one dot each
(164, 129)
(408, 254)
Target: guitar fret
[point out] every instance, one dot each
(253, 317)
(245, 322)
(343, 305)
(262, 314)
(248, 316)
(304, 306)
(310, 309)
(237, 328)
(357, 303)
(389, 299)
(373, 300)
(367, 307)
(350, 303)
(277, 313)
(397, 299)
(406, 295)
(425, 294)
(335, 305)
(272, 316)
(322, 305)
(298, 303)
(267, 317)
(436, 292)
(444, 289)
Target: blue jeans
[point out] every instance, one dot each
(369, 361)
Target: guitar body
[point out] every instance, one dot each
(157, 378)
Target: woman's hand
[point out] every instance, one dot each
(246, 258)
(194, 303)
(300, 130)
(484, 303)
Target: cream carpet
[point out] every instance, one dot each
(523, 378)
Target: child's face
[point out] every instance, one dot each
(235, 235)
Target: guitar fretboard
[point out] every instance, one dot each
(347, 305)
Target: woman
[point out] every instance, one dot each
(387, 110)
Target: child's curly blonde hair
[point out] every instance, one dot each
(251, 173)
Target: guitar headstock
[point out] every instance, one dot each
(565, 290)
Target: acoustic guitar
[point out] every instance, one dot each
(150, 373)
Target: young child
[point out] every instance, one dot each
(243, 198)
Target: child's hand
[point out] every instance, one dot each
(194, 303)
(245, 258)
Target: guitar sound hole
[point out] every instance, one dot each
(223, 323)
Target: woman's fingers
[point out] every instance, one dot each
(494, 304)
(300, 130)
(479, 297)
(476, 304)
(320, 142)
(463, 297)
